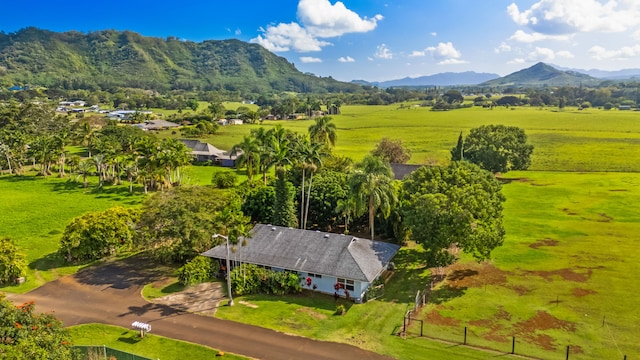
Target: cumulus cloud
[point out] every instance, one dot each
(636, 35)
(434, 34)
(346, 59)
(285, 37)
(383, 52)
(318, 19)
(624, 53)
(445, 54)
(309, 59)
(417, 53)
(325, 20)
(542, 54)
(571, 16)
(524, 37)
(565, 54)
(503, 47)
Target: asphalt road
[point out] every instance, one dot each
(111, 294)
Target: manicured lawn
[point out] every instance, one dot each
(151, 346)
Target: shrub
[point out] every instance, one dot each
(340, 310)
(224, 180)
(198, 270)
(12, 262)
(252, 279)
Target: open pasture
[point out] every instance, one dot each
(566, 275)
(564, 140)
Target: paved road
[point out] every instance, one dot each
(110, 294)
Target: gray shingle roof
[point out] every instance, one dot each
(200, 148)
(323, 253)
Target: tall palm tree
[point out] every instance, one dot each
(248, 155)
(84, 169)
(324, 131)
(371, 187)
(310, 156)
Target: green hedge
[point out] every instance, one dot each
(252, 279)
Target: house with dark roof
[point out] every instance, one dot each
(321, 259)
(400, 171)
(202, 152)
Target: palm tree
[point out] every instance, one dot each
(84, 169)
(309, 155)
(324, 131)
(248, 154)
(346, 207)
(372, 189)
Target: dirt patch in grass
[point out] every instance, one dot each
(521, 290)
(540, 322)
(544, 242)
(248, 304)
(202, 298)
(475, 275)
(566, 274)
(312, 313)
(579, 292)
(434, 317)
(605, 218)
(569, 212)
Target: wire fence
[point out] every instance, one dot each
(415, 324)
(97, 352)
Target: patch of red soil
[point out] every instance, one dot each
(503, 315)
(541, 321)
(544, 242)
(566, 274)
(519, 289)
(579, 292)
(575, 349)
(434, 317)
(475, 275)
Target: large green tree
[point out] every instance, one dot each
(323, 130)
(498, 148)
(459, 205)
(26, 334)
(95, 235)
(12, 262)
(177, 225)
(392, 151)
(371, 186)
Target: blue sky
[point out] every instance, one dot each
(374, 39)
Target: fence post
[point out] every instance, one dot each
(465, 336)
(104, 350)
(422, 326)
(513, 345)
(604, 319)
(568, 347)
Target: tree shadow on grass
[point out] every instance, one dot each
(445, 293)
(50, 261)
(411, 276)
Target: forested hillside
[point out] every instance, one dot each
(106, 59)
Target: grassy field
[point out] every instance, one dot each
(151, 346)
(568, 140)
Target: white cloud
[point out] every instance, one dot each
(624, 53)
(542, 54)
(320, 19)
(309, 59)
(636, 35)
(517, 61)
(285, 37)
(565, 54)
(524, 37)
(571, 16)
(416, 53)
(383, 52)
(503, 47)
(238, 32)
(434, 34)
(445, 53)
(346, 59)
(325, 20)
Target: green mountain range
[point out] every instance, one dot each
(109, 58)
(542, 74)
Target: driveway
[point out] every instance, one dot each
(111, 294)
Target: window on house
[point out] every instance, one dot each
(318, 276)
(348, 284)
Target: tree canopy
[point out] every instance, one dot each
(459, 205)
(12, 262)
(25, 334)
(392, 151)
(497, 148)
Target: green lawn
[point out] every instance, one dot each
(151, 346)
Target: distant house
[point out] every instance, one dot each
(400, 171)
(223, 122)
(127, 114)
(202, 152)
(235, 122)
(320, 259)
(271, 117)
(156, 125)
(624, 107)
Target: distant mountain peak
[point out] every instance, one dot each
(542, 74)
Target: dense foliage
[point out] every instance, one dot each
(177, 225)
(497, 148)
(197, 270)
(12, 262)
(455, 206)
(26, 335)
(392, 151)
(251, 279)
(95, 235)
